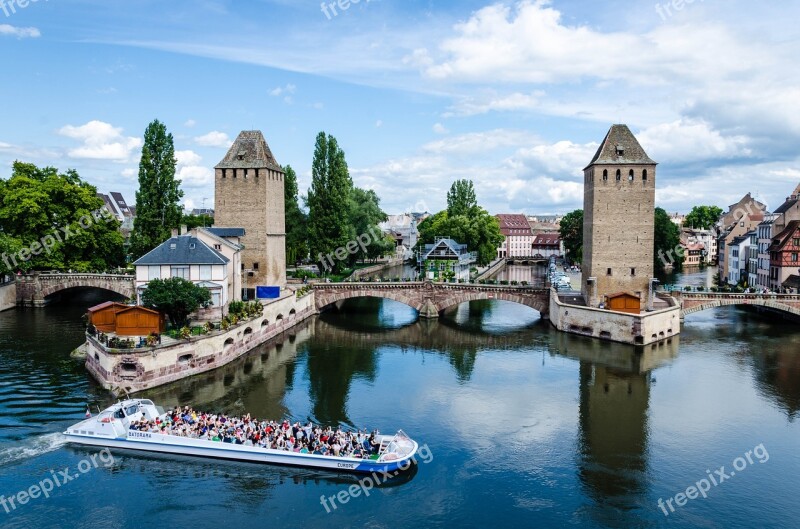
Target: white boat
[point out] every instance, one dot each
(111, 428)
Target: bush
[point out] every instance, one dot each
(687, 288)
(503, 282)
(482, 281)
(524, 283)
(185, 333)
(701, 288)
(515, 282)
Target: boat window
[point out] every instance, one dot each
(146, 402)
(130, 410)
(118, 414)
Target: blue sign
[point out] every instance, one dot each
(268, 292)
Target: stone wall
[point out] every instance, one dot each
(138, 369)
(257, 204)
(8, 296)
(638, 329)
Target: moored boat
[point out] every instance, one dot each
(116, 427)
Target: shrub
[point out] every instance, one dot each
(515, 282)
(687, 288)
(503, 282)
(185, 333)
(524, 283)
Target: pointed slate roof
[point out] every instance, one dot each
(183, 250)
(249, 151)
(620, 147)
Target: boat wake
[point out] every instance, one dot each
(32, 448)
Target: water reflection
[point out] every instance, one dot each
(533, 274)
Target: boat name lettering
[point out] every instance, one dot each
(345, 465)
(141, 435)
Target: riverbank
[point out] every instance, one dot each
(8, 296)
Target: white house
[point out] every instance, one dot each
(200, 257)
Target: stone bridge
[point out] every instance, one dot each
(37, 289)
(696, 301)
(430, 298)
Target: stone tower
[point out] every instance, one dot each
(248, 193)
(618, 218)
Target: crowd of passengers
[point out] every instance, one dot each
(248, 431)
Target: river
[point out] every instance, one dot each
(522, 426)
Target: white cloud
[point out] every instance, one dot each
(480, 143)
(130, 173)
(282, 90)
(190, 123)
(20, 33)
(101, 141)
(473, 105)
(688, 140)
(378, 124)
(438, 128)
(190, 171)
(214, 138)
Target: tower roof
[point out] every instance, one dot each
(249, 151)
(620, 147)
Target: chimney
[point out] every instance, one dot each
(174, 232)
(183, 229)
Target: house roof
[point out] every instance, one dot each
(780, 240)
(249, 151)
(793, 281)
(622, 293)
(620, 147)
(452, 245)
(181, 251)
(547, 239)
(103, 306)
(226, 232)
(787, 205)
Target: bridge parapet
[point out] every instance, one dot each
(696, 301)
(34, 289)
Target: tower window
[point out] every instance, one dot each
(608, 271)
(255, 266)
(630, 176)
(619, 175)
(224, 173)
(633, 271)
(605, 175)
(620, 150)
(256, 172)
(245, 172)
(644, 175)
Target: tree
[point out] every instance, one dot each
(461, 199)
(667, 239)
(365, 215)
(296, 219)
(702, 217)
(476, 228)
(176, 297)
(51, 220)
(197, 221)
(571, 231)
(158, 207)
(328, 200)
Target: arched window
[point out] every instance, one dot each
(630, 176)
(644, 175)
(605, 175)
(619, 175)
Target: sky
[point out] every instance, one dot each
(515, 96)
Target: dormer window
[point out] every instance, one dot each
(620, 150)
(241, 154)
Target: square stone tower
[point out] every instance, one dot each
(618, 218)
(248, 193)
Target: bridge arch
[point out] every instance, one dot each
(696, 302)
(415, 302)
(540, 305)
(38, 289)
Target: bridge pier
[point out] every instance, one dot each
(429, 310)
(39, 289)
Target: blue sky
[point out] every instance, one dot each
(513, 95)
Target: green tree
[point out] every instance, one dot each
(365, 215)
(176, 297)
(667, 238)
(461, 199)
(328, 200)
(476, 228)
(158, 208)
(197, 221)
(296, 219)
(571, 231)
(702, 217)
(52, 220)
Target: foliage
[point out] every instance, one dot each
(478, 230)
(41, 204)
(197, 221)
(328, 200)
(245, 309)
(296, 219)
(702, 217)
(365, 215)
(571, 232)
(666, 238)
(158, 207)
(185, 333)
(176, 297)
(302, 291)
(461, 199)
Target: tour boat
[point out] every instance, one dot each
(111, 428)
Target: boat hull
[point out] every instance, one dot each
(151, 442)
